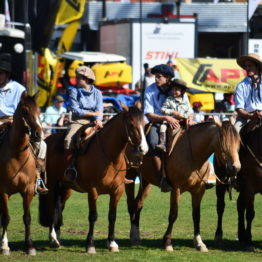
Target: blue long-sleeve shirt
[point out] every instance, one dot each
(83, 101)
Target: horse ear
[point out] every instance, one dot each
(24, 96)
(125, 107)
(138, 104)
(218, 121)
(36, 95)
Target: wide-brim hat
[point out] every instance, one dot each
(250, 57)
(59, 98)
(180, 83)
(5, 62)
(163, 69)
(86, 72)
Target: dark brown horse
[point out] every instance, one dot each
(250, 177)
(18, 166)
(101, 170)
(187, 169)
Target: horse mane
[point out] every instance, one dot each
(133, 111)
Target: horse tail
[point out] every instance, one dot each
(51, 207)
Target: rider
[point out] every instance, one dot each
(176, 105)
(87, 106)
(248, 94)
(154, 98)
(10, 95)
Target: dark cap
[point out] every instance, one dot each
(5, 62)
(163, 69)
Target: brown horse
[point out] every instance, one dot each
(250, 177)
(187, 169)
(18, 166)
(101, 170)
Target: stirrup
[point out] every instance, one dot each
(40, 183)
(165, 186)
(70, 174)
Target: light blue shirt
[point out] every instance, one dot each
(83, 101)
(244, 92)
(53, 113)
(153, 100)
(10, 96)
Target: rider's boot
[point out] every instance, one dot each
(164, 184)
(162, 145)
(70, 173)
(41, 177)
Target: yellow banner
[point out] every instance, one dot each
(211, 75)
(46, 65)
(64, 45)
(112, 74)
(70, 10)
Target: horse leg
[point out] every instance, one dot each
(92, 217)
(250, 214)
(174, 200)
(54, 229)
(220, 193)
(114, 199)
(241, 207)
(27, 199)
(4, 219)
(135, 206)
(196, 202)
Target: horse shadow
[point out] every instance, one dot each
(228, 245)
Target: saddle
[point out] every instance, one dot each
(247, 130)
(83, 136)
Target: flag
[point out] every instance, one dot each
(70, 11)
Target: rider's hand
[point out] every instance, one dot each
(98, 123)
(174, 123)
(258, 114)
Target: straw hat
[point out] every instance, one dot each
(250, 57)
(86, 72)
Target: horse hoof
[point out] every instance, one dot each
(135, 242)
(169, 248)
(5, 252)
(91, 250)
(250, 249)
(202, 248)
(31, 252)
(219, 240)
(54, 244)
(112, 246)
(113, 249)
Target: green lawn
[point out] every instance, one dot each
(153, 225)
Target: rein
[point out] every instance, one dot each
(251, 151)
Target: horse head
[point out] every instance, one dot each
(227, 153)
(28, 112)
(134, 128)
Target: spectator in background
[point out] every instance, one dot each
(228, 102)
(199, 115)
(149, 78)
(173, 64)
(53, 113)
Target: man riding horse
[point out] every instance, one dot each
(248, 94)
(10, 95)
(154, 98)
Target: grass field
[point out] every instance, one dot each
(153, 226)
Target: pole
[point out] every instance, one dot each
(140, 43)
(178, 3)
